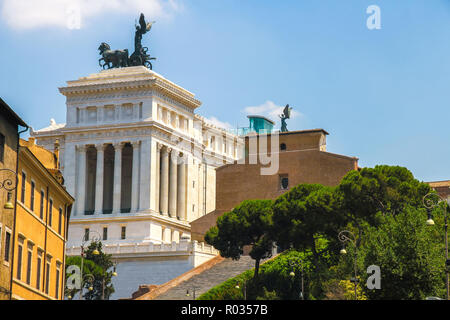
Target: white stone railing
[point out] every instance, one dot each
(190, 247)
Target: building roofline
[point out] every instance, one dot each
(10, 113)
(441, 183)
(305, 131)
(292, 132)
(46, 171)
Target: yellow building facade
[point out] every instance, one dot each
(43, 209)
(9, 143)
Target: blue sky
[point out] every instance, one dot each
(383, 95)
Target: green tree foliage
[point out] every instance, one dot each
(409, 253)
(268, 295)
(303, 213)
(245, 225)
(89, 267)
(343, 290)
(386, 189)
(274, 282)
(100, 267)
(382, 206)
(302, 217)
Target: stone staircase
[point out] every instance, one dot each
(208, 279)
(202, 278)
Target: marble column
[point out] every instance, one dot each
(99, 178)
(164, 182)
(158, 177)
(81, 183)
(117, 191)
(135, 177)
(70, 173)
(173, 185)
(181, 192)
(145, 178)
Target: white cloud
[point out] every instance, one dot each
(270, 110)
(28, 14)
(216, 122)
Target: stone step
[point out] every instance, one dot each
(208, 279)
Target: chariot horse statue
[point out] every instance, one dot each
(119, 58)
(112, 58)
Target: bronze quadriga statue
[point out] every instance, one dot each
(119, 58)
(112, 58)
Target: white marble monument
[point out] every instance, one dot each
(141, 165)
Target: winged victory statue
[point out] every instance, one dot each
(286, 115)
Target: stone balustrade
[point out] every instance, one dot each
(187, 247)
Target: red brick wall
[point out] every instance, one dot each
(302, 162)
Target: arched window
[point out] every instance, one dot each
(283, 147)
(284, 182)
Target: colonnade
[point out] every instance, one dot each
(170, 174)
(171, 182)
(83, 171)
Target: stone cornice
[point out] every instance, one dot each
(132, 87)
(104, 99)
(208, 125)
(108, 218)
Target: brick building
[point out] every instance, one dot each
(302, 158)
(441, 187)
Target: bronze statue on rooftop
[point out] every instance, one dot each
(112, 58)
(286, 115)
(119, 58)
